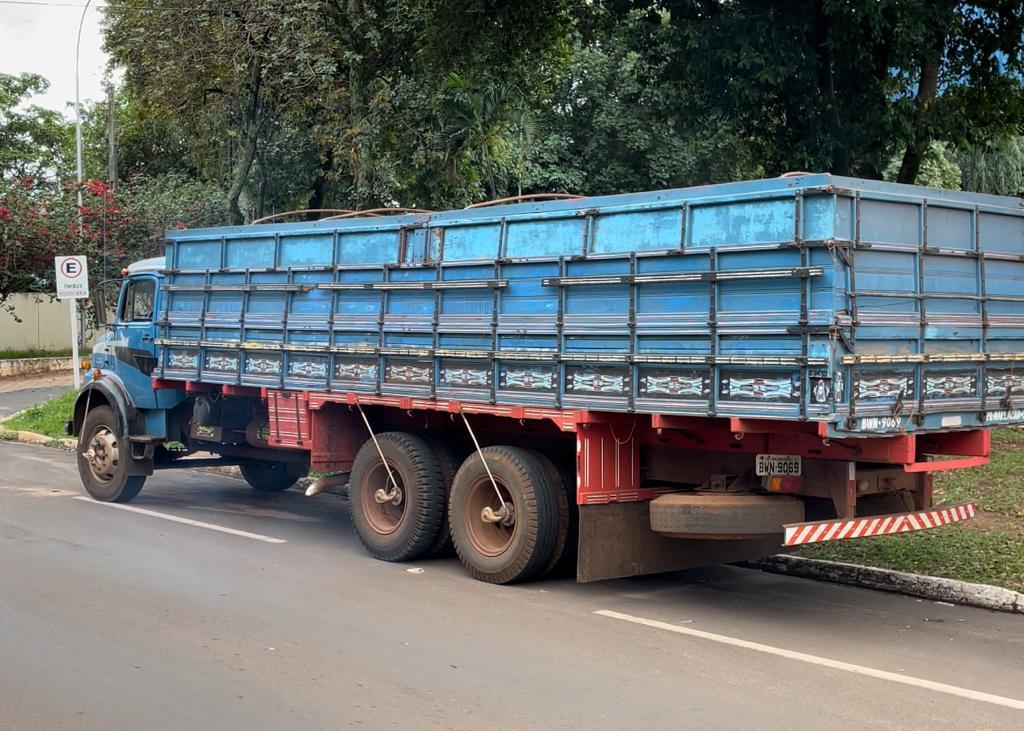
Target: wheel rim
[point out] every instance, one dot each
(384, 517)
(102, 454)
(488, 538)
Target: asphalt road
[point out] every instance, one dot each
(20, 393)
(118, 619)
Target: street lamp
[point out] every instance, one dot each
(72, 302)
(78, 118)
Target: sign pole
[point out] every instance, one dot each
(73, 283)
(73, 309)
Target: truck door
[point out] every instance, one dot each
(133, 341)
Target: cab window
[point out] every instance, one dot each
(137, 305)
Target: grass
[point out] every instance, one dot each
(47, 418)
(986, 550)
(998, 487)
(16, 353)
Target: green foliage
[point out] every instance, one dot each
(843, 86)
(996, 168)
(348, 103)
(19, 353)
(47, 418)
(270, 105)
(938, 169)
(34, 142)
(40, 220)
(437, 103)
(620, 123)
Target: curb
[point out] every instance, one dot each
(14, 367)
(40, 440)
(936, 588)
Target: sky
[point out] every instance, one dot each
(39, 36)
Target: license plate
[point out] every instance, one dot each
(784, 465)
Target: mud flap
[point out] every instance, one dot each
(616, 541)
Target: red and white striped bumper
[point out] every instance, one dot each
(799, 534)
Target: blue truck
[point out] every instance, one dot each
(609, 386)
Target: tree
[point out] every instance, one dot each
(231, 70)
(39, 220)
(842, 86)
(621, 121)
(997, 168)
(338, 102)
(34, 142)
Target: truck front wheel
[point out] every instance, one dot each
(103, 459)
(506, 539)
(269, 476)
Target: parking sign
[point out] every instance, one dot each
(72, 277)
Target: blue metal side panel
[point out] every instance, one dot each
(869, 306)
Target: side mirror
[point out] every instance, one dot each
(100, 303)
(104, 314)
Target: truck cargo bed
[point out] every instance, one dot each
(867, 306)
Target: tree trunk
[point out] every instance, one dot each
(924, 111)
(248, 152)
(261, 199)
(358, 104)
(318, 195)
(839, 154)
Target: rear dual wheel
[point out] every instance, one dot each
(398, 503)
(507, 525)
(505, 521)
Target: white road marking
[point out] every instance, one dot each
(185, 521)
(973, 695)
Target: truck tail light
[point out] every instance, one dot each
(780, 483)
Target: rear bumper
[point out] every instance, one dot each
(799, 534)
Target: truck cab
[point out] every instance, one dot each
(126, 352)
(127, 427)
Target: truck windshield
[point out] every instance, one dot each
(138, 300)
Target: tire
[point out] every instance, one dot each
(723, 516)
(449, 464)
(405, 530)
(103, 460)
(566, 524)
(267, 476)
(493, 552)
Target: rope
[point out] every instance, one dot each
(380, 496)
(490, 475)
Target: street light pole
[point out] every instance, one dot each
(78, 117)
(72, 302)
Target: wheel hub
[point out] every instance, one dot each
(102, 454)
(384, 507)
(490, 518)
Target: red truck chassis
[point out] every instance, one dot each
(622, 458)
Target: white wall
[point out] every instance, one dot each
(45, 323)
